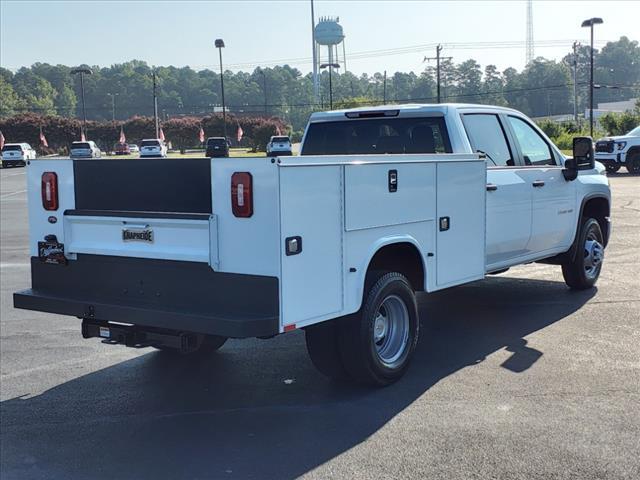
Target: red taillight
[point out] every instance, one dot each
(50, 191)
(242, 194)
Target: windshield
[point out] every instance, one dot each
(379, 135)
(635, 132)
(150, 143)
(280, 139)
(12, 148)
(83, 145)
(216, 141)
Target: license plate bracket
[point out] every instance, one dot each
(51, 252)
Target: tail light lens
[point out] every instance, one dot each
(50, 191)
(242, 194)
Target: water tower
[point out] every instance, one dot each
(328, 33)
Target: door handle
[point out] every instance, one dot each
(491, 187)
(538, 183)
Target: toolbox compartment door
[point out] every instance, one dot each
(460, 222)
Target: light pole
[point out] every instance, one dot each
(590, 23)
(82, 71)
(264, 87)
(155, 105)
(220, 45)
(113, 105)
(331, 67)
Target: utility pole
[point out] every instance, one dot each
(331, 66)
(437, 58)
(316, 84)
(590, 23)
(82, 72)
(264, 89)
(219, 43)
(155, 105)
(113, 105)
(384, 89)
(575, 83)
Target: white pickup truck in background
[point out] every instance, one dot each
(620, 151)
(381, 203)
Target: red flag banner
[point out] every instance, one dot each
(123, 139)
(1, 141)
(161, 135)
(239, 133)
(82, 137)
(278, 132)
(43, 139)
(201, 135)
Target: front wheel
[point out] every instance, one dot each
(377, 343)
(583, 271)
(633, 164)
(612, 167)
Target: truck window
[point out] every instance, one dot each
(377, 135)
(535, 150)
(486, 135)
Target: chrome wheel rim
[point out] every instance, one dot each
(593, 255)
(391, 330)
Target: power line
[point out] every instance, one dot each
(419, 48)
(364, 101)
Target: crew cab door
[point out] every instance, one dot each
(509, 195)
(554, 212)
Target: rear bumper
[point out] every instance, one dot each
(182, 296)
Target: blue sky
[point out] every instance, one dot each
(269, 32)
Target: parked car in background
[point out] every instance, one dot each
(14, 154)
(87, 149)
(623, 150)
(153, 147)
(217, 147)
(121, 149)
(279, 145)
(133, 148)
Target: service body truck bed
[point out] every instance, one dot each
(184, 253)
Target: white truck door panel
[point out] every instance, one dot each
(311, 208)
(460, 243)
(369, 202)
(508, 215)
(554, 213)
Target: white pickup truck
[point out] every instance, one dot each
(181, 254)
(623, 150)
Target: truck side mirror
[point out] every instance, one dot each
(583, 153)
(570, 170)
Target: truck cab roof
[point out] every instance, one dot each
(404, 110)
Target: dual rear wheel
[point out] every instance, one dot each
(373, 346)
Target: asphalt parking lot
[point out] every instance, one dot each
(515, 377)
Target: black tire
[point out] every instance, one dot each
(324, 351)
(612, 167)
(583, 271)
(633, 164)
(207, 345)
(363, 356)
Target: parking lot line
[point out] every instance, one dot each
(6, 195)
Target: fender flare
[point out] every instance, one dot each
(378, 245)
(574, 245)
